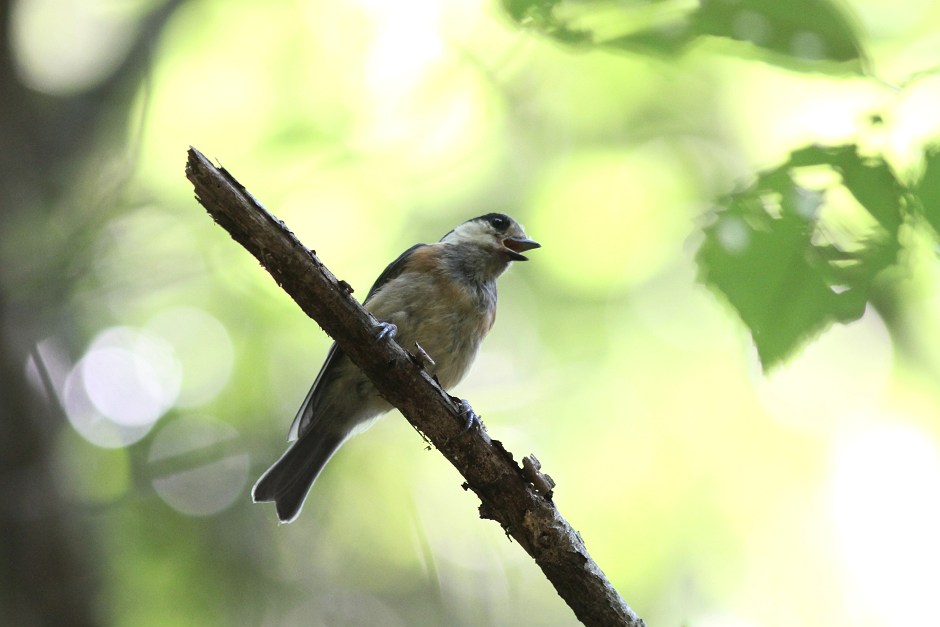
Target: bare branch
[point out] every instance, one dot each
(489, 470)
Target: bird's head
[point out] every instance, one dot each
(495, 233)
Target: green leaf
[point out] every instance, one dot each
(791, 256)
(666, 42)
(522, 9)
(928, 189)
(810, 33)
(809, 30)
(870, 180)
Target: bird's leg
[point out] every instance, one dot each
(467, 413)
(386, 330)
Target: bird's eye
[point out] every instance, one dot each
(500, 224)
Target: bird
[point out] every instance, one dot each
(439, 297)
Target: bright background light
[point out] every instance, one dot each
(884, 522)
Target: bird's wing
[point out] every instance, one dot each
(392, 270)
(305, 414)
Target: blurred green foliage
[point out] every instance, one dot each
(800, 30)
(790, 263)
(927, 190)
(768, 251)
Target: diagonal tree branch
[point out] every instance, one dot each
(505, 491)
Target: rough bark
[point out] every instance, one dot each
(506, 494)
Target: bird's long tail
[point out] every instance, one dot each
(288, 481)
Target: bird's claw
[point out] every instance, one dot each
(468, 414)
(386, 329)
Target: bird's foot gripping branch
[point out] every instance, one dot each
(506, 496)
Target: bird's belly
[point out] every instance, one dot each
(449, 330)
(453, 348)
(450, 341)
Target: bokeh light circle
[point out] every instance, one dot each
(123, 383)
(198, 471)
(203, 348)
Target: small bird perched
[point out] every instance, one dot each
(441, 296)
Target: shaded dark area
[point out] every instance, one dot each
(49, 561)
(49, 569)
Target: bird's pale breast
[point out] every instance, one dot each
(448, 320)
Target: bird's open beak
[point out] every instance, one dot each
(515, 246)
